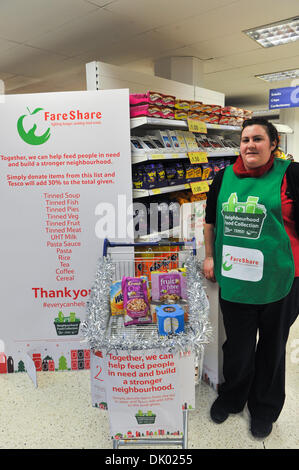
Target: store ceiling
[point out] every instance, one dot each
(44, 45)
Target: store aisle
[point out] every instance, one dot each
(58, 414)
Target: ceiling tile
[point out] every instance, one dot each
(97, 29)
(22, 21)
(157, 13)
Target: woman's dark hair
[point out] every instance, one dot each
(268, 126)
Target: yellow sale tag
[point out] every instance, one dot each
(195, 125)
(199, 187)
(157, 156)
(198, 157)
(156, 190)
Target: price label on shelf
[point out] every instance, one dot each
(157, 156)
(199, 187)
(195, 125)
(156, 191)
(198, 157)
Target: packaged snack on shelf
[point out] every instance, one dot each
(190, 141)
(174, 140)
(164, 137)
(198, 197)
(149, 110)
(136, 143)
(225, 111)
(213, 118)
(161, 174)
(194, 115)
(214, 143)
(203, 142)
(166, 112)
(148, 144)
(150, 97)
(206, 171)
(224, 120)
(217, 165)
(196, 106)
(189, 171)
(211, 108)
(138, 177)
(175, 173)
(116, 299)
(180, 114)
(167, 100)
(150, 176)
(182, 104)
(181, 139)
(158, 143)
(180, 170)
(136, 302)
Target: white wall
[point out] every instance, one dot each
(103, 76)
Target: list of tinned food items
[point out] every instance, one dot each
(63, 230)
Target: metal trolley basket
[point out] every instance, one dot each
(140, 259)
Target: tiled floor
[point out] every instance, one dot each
(58, 414)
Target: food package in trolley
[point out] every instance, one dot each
(136, 303)
(171, 285)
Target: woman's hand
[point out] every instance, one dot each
(208, 268)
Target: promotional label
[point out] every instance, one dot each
(245, 264)
(60, 163)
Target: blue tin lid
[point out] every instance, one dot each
(171, 310)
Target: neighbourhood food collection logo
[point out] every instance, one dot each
(243, 219)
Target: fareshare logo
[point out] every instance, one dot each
(241, 263)
(30, 137)
(227, 265)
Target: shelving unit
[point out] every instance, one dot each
(141, 156)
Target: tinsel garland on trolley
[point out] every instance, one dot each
(96, 330)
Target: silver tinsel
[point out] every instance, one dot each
(105, 331)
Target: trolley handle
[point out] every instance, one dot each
(162, 242)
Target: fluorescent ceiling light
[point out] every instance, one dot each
(275, 34)
(279, 76)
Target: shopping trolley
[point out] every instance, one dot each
(141, 259)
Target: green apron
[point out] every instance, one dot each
(252, 253)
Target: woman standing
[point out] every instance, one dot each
(252, 250)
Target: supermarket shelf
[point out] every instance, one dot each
(174, 123)
(139, 157)
(145, 156)
(283, 128)
(139, 193)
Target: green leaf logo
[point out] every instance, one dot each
(30, 137)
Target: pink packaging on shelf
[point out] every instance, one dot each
(145, 110)
(152, 111)
(152, 97)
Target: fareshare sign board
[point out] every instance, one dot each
(63, 156)
(287, 97)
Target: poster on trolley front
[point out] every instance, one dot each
(63, 157)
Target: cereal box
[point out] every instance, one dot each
(169, 286)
